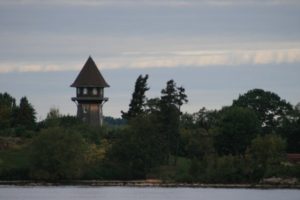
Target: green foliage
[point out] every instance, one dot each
(7, 106)
(236, 128)
(197, 143)
(227, 169)
(268, 150)
(137, 150)
(66, 121)
(290, 130)
(53, 117)
(89, 133)
(16, 120)
(138, 101)
(14, 164)
(203, 119)
(53, 114)
(268, 106)
(110, 121)
(208, 146)
(172, 98)
(173, 95)
(94, 159)
(57, 154)
(24, 115)
(178, 172)
(283, 171)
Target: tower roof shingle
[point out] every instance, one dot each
(89, 76)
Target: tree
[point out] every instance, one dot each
(25, 115)
(268, 106)
(138, 149)
(297, 107)
(57, 154)
(266, 152)
(153, 105)
(205, 119)
(290, 130)
(53, 117)
(236, 128)
(138, 101)
(7, 106)
(110, 121)
(53, 114)
(172, 98)
(198, 143)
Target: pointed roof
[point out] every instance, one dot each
(89, 76)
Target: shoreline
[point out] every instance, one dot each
(145, 183)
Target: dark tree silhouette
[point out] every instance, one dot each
(25, 115)
(172, 98)
(138, 101)
(268, 106)
(7, 106)
(236, 128)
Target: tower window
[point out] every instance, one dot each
(85, 91)
(78, 90)
(85, 109)
(95, 91)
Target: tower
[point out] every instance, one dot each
(90, 98)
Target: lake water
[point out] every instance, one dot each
(133, 193)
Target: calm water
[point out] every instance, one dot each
(129, 193)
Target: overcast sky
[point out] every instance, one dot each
(216, 49)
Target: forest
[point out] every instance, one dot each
(244, 142)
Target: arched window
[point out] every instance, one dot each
(85, 91)
(95, 91)
(78, 90)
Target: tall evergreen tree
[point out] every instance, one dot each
(25, 115)
(7, 106)
(172, 98)
(138, 101)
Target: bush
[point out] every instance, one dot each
(268, 150)
(14, 164)
(57, 154)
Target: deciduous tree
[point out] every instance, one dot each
(57, 153)
(267, 151)
(236, 128)
(268, 106)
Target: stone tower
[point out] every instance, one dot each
(90, 98)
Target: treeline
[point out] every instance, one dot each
(240, 143)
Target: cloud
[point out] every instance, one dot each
(212, 58)
(37, 67)
(170, 59)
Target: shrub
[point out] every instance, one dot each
(57, 154)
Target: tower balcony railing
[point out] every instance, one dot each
(89, 98)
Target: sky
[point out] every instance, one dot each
(216, 49)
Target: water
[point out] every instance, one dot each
(131, 193)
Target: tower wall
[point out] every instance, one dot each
(90, 113)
